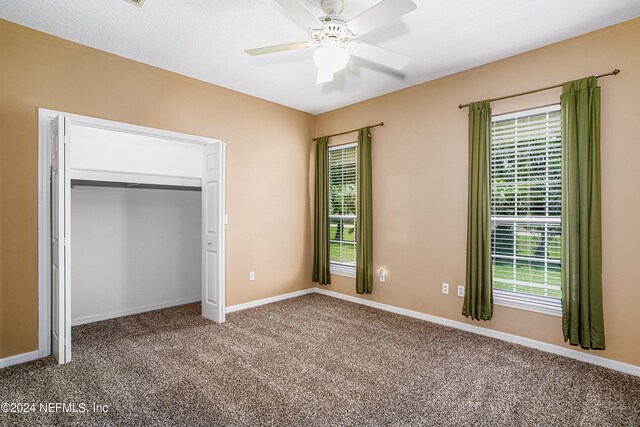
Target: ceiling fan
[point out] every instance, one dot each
(336, 37)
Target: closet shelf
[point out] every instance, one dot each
(87, 183)
(132, 179)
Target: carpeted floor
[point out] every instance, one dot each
(312, 361)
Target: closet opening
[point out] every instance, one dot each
(131, 219)
(136, 248)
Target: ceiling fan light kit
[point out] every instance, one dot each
(335, 37)
(331, 56)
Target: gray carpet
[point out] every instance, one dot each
(312, 361)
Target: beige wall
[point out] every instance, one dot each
(420, 169)
(420, 181)
(268, 148)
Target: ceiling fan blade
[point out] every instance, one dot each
(277, 48)
(300, 14)
(379, 55)
(324, 76)
(380, 14)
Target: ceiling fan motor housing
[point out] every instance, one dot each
(334, 27)
(332, 7)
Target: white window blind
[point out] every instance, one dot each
(343, 168)
(525, 208)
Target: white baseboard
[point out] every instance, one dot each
(527, 342)
(134, 310)
(19, 358)
(269, 300)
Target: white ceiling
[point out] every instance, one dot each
(206, 39)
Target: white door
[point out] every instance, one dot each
(60, 241)
(213, 233)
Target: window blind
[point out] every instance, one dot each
(526, 206)
(342, 203)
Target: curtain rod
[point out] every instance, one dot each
(610, 73)
(349, 131)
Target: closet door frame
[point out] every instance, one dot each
(45, 118)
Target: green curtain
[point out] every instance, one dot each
(321, 254)
(364, 221)
(582, 314)
(478, 296)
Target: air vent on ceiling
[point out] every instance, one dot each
(136, 2)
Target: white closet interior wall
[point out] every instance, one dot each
(133, 249)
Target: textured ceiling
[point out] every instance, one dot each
(206, 39)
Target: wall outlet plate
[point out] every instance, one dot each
(252, 275)
(445, 288)
(460, 290)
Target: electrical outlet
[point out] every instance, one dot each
(445, 288)
(460, 290)
(252, 275)
(382, 277)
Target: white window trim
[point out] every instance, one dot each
(343, 270)
(537, 304)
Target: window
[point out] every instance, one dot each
(526, 157)
(343, 169)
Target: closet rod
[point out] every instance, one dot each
(133, 185)
(349, 131)
(610, 73)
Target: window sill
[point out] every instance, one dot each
(343, 270)
(543, 305)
